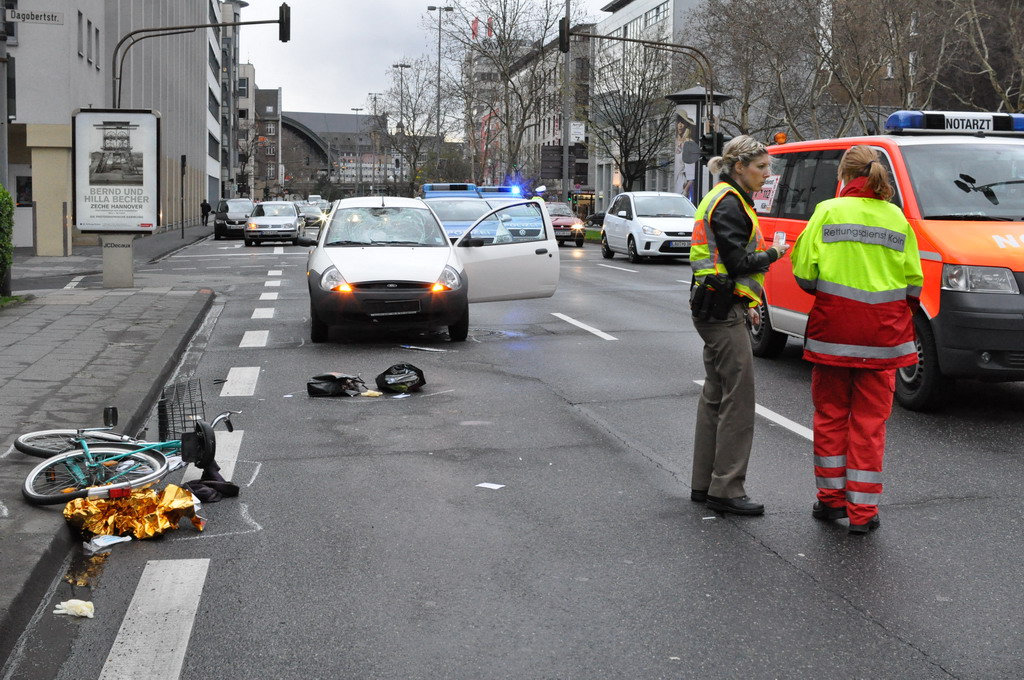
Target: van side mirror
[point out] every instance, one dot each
(622, 213)
(471, 243)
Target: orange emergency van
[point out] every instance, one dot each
(959, 178)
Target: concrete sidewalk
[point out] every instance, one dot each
(67, 353)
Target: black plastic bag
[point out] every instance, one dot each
(335, 385)
(401, 378)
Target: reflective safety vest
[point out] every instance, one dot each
(704, 259)
(859, 258)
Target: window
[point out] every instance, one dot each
(243, 114)
(271, 171)
(808, 179)
(653, 16)
(88, 39)
(12, 26)
(214, 63)
(214, 104)
(96, 42)
(81, 35)
(243, 87)
(270, 150)
(270, 129)
(214, 147)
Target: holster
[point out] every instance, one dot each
(713, 297)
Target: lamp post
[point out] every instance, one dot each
(400, 128)
(359, 157)
(375, 138)
(437, 144)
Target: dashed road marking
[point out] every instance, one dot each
(73, 282)
(241, 382)
(278, 250)
(268, 296)
(621, 269)
(791, 425)
(272, 284)
(228, 446)
(589, 329)
(263, 313)
(255, 339)
(274, 272)
(154, 634)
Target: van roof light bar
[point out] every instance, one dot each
(954, 122)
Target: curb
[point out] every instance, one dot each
(41, 556)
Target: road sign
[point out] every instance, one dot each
(35, 16)
(577, 131)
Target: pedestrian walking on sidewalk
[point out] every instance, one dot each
(728, 258)
(858, 256)
(205, 208)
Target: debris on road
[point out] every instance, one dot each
(401, 378)
(102, 543)
(423, 349)
(143, 514)
(76, 608)
(333, 384)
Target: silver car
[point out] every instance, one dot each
(274, 221)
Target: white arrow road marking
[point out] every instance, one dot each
(255, 339)
(778, 419)
(241, 382)
(154, 634)
(590, 329)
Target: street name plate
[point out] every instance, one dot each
(35, 16)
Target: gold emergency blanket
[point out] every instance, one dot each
(143, 514)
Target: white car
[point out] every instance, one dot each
(642, 224)
(274, 221)
(387, 262)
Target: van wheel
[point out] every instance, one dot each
(606, 252)
(922, 387)
(631, 252)
(765, 341)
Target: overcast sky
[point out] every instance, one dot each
(340, 50)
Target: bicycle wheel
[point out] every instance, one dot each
(68, 476)
(46, 443)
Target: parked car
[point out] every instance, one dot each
(567, 226)
(386, 262)
(643, 224)
(274, 221)
(594, 220)
(230, 217)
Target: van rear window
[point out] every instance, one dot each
(967, 181)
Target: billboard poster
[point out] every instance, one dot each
(687, 151)
(116, 170)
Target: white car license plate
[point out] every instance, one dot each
(679, 244)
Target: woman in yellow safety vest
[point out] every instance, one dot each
(727, 247)
(858, 256)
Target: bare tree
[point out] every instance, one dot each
(630, 119)
(410, 129)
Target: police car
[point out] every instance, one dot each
(959, 178)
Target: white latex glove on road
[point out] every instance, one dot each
(75, 608)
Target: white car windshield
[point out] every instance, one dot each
(663, 206)
(559, 210)
(381, 226)
(274, 210)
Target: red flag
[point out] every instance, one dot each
(475, 26)
(490, 27)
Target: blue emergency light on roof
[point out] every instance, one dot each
(517, 190)
(951, 122)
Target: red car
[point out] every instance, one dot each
(567, 226)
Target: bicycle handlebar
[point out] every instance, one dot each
(225, 418)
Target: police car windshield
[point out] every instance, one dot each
(968, 181)
(663, 206)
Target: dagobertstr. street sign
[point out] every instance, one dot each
(35, 16)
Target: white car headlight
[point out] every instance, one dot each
(970, 279)
(651, 231)
(449, 280)
(333, 280)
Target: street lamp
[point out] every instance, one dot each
(400, 128)
(437, 144)
(359, 157)
(375, 138)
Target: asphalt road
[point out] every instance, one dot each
(362, 546)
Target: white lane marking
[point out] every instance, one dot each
(228, 446)
(622, 269)
(154, 634)
(222, 266)
(272, 284)
(241, 382)
(268, 296)
(274, 272)
(73, 282)
(255, 339)
(181, 269)
(243, 509)
(278, 250)
(574, 322)
(683, 281)
(263, 313)
(791, 425)
(3, 510)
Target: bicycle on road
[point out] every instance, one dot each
(94, 470)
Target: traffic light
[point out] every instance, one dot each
(720, 141)
(284, 22)
(707, 147)
(563, 34)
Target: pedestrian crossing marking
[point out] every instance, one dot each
(241, 382)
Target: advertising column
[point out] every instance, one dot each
(116, 179)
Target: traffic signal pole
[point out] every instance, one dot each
(567, 92)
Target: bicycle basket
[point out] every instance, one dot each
(180, 407)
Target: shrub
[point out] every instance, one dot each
(6, 237)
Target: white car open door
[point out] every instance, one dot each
(510, 254)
